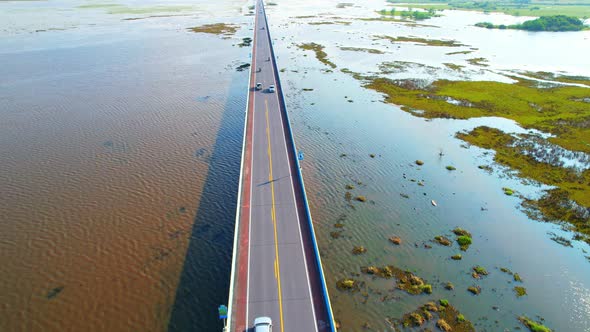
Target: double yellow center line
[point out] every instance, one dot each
(274, 218)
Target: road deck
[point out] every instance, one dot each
(277, 275)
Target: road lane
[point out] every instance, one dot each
(278, 281)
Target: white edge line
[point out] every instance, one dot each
(238, 206)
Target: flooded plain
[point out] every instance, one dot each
(120, 138)
(354, 144)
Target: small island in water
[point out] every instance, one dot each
(543, 23)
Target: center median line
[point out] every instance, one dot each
(274, 220)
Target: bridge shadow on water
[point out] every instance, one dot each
(204, 281)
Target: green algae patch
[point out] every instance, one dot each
(361, 49)
(319, 53)
(216, 29)
(520, 291)
(480, 270)
(532, 325)
(361, 199)
(464, 242)
(330, 22)
(406, 280)
(460, 231)
(451, 168)
(508, 191)
(459, 52)
(475, 290)
(422, 41)
(445, 317)
(457, 257)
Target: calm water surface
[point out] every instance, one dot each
(112, 133)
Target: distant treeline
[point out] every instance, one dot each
(543, 23)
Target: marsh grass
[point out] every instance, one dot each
(319, 53)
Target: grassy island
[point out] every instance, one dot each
(544, 23)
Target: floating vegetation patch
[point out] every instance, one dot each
(453, 66)
(246, 41)
(561, 240)
(464, 242)
(445, 317)
(243, 67)
(475, 290)
(421, 41)
(123, 9)
(520, 291)
(442, 240)
(347, 284)
(451, 168)
(478, 62)
(216, 29)
(344, 4)
(410, 14)
(330, 22)
(319, 53)
(532, 325)
(357, 250)
(459, 52)
(406, 280)
(361, 198)
(361, 49)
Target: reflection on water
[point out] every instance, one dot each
(106, 144)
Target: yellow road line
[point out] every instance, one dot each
(274, 220)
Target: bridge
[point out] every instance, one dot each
(277, 270)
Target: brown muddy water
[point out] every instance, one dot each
(115, 136)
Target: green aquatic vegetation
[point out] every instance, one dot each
(464, 241)
(517, 277)
(568, 202)
(406, 280)
(449, 286)
(419, 162)
(443, 240)
(478, 62)
(361, 49)
(544, 23)
(520, 291)
(319, 53)
(475, 290)
(349, 187)
(330, 22)
(457, 257)
(460, 231)
(508, 191)
(453, 66)
(216, 29)
(409, 14)
(451, 168)
(458, 52)
(448, 317)
(532, 325)
(480, 270)
(543, 75)
(422, 41)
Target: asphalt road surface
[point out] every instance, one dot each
(278, 281)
